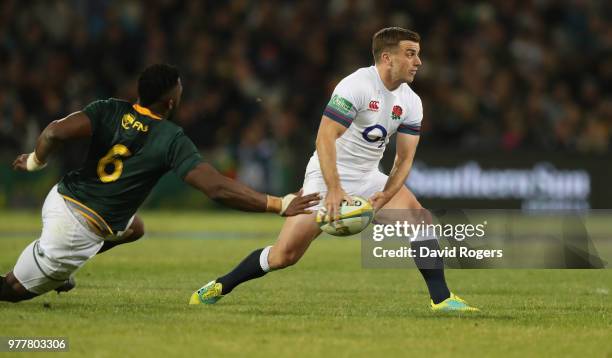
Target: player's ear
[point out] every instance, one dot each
(386, 57)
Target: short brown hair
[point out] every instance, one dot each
(390, 37)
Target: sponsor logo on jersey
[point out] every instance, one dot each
(373, 106)
(375, 133)
(396, 113)
(340, 104)
(129, 121)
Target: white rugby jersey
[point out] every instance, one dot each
(372, 114)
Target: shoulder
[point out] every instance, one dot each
(409, 95)
(361, 79)
(412, 105)
(411, 99)
(170, 130)
(108, 104)
(174, 129)
(357, 86)
(119, 102)
(113, 102)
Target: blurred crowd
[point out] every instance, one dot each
(499, 75)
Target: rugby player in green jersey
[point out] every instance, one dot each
(93, 208)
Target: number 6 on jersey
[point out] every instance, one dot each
(113, 157)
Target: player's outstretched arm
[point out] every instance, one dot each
(406, 146)
(329, 132)
(239, 196)
(76, 125)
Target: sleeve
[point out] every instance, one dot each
(345, 103)
(95, 111)
(183, 155)
(412, 123)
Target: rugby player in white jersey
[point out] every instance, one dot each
(365, 109)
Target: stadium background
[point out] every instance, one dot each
(517, 114)
(505, 85)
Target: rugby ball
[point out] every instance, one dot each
(353, 218)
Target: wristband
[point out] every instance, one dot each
(278, 205)
(33, 164)
(274, 204)
(286, 200)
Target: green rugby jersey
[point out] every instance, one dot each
(130, 149)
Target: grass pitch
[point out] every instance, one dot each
(132, 301)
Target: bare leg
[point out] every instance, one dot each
(295, 237)
(293, 241)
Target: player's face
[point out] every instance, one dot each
(405, 61)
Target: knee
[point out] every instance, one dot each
(413, 203)
(137, 229)
(279, 259)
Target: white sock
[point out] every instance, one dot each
(263, 259)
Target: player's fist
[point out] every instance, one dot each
(296, 204)
(28, 162)
(20, 162)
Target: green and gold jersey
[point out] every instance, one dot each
(131, 149)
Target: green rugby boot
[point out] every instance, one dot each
(207, 295)
(453, 304)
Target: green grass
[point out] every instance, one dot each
(132, 301)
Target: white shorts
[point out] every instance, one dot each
(64, 246)
(354, 182)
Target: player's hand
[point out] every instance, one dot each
(300, 203)
(20, 162)
(379, 199)
(333, 200)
